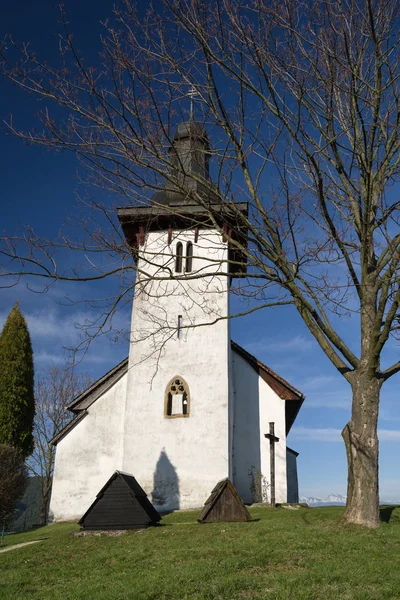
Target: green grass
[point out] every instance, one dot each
(280, 555)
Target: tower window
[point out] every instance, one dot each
(189, 257)
(179, 327)
(177, 398)
(178, 259)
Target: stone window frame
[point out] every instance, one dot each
(168, 391)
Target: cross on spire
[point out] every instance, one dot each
(192, 93)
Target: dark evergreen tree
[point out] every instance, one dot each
(17, 405)
(13, 482)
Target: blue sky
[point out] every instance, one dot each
(38, 188)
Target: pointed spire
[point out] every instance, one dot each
(190, 154)
(190, 150)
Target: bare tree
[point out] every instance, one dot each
(301, 102)
(55, 389)
(13, 481)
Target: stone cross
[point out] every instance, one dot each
(272, 439)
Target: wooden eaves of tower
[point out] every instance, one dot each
(174, 208)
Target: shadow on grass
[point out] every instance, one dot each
(165, 512)
(28, 530)
(386, 513)
(255, 520)
(35, 527)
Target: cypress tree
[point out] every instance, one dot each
(17, 403)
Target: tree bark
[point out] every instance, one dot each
(362, 448)
(44, 504)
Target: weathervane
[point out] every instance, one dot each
(192, 93)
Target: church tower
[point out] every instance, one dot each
(188, 407)
(177, 437)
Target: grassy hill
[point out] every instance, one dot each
(281, 555)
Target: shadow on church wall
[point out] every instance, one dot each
(248, 479)
(165, 495)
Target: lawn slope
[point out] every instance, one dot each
(282, 554)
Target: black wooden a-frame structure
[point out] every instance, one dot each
(224, 504)
(120, 504)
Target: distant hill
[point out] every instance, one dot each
(27, 513)
(331, 500)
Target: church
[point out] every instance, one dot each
(188, 406)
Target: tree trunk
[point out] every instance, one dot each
(361, 440)
(44, 504)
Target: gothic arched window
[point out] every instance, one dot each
(178, 259)
(189, 257)
(177, 398)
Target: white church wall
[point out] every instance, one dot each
(272, 409)
(179, 460)
(88, 455)
(256, 405)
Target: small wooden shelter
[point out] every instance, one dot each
(224, 504)
(120, 504)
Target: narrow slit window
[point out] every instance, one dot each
(179, 327)
(178, 259)
(177, 398)
(189, 257)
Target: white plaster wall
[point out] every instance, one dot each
(272, 408)
(178, 461)
(255, 406)
(88, 455)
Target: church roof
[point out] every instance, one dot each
(97, 389)
(189, 172)
(136, 221)
(81, 403)
(292, 397)
(292, 451)
(68, 427)
(281, 387)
